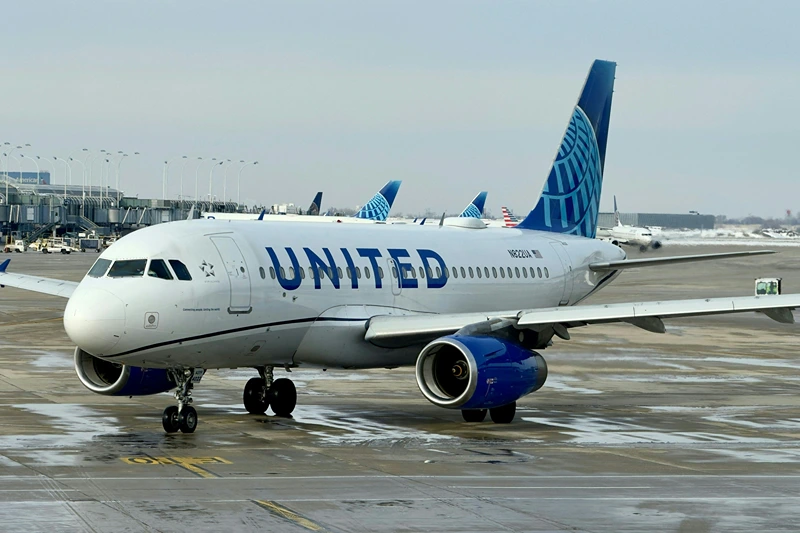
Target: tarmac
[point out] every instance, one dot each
(693, 430)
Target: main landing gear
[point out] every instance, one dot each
(264, 392)
(182, 417)
(499, 415)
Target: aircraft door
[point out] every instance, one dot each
(393, 275)
(238, 275)
(566, 264)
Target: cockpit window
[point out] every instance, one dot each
(131, 268)
(158, 269)
(99, 268)
(180, 270)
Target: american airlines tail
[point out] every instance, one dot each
(380, 204)
(509, 220)
(570, 199)
(475, 208)
(315, 206)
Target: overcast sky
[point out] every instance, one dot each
(450, 97)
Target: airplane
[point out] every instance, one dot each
(473, 210)
(470, 308)
(508, 221)
(629, 235)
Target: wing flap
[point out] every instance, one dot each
(660, 261)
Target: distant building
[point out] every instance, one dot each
(28, 178)
(664, 220)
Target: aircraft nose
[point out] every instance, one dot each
(95, 320)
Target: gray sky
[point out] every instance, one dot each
(451, 96)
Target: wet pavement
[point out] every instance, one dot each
(695, 430)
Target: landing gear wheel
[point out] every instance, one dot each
(255, 396)
(504, 414)
(170, 419)
(188, 419)
(473, 415)
(642, 248)
(283, 397)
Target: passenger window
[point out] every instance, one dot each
(463, 273)
(99, 268)
(533, 273)
(438, 273)
(158, 269)
(394, 272)
(486, 271)
(446, 272)
(291, 272)
(502, 272)
(283, 273)
(524, 272)
(366, 272)
(302, 273)
(311, 272)
(339, 271)
(455, 272)
(349, 274)
(516, 271)
(272, 272)
(539, 271)
(380, 272)
(470, 272)
(478, 271)
(546, 273)
(358, 272)
(133, 268)
(421, 273)
(510, 275)
(413, 272)
(181, 272)
(321, 273)
(261, 271)
(330, 272)
(494, 272)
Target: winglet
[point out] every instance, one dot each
(4, 265)
(261, 216)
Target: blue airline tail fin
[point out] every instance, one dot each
(475, 208)
(570, 199)
(4, 265)
(261, 216)
(380, 204)
(315, 206)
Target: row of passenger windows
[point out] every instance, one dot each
(411, 273)
(136, 268)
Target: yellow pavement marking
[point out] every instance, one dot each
(192, 464)
(288, 514)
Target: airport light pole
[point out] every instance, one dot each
(239, 182)
(67, 173)
(197, 179)
(164, 176)
(38, 170)
(183, 166)
(210, 178)
(9, 152)
(91, 166)
(225, 184)
(19, 165)
(52, 165)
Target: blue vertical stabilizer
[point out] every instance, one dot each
(475, 208)
(570, 199)
(379, 206)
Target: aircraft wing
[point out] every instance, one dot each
(394, 331)
(658, 261)
(55, 287)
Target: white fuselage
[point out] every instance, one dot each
(238, 310)
(632, 235)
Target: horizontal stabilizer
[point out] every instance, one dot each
(660, 261)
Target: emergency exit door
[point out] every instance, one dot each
(237, 273)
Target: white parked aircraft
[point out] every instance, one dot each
(628, 235)
(470, 306)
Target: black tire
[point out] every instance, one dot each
(642, 248)
(83, 250)
(188, 419)
(473, 415)
(255, 397)
(170, 419)
(504, 414)
(283, 397)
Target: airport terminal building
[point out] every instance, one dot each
(662, 220)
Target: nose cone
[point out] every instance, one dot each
(95, 320)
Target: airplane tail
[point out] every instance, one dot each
(617, 221)
(570, 199)
(475, 208)
(314, 208)
(508, 218)
(380, 204)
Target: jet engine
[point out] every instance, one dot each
(115, 379)
(656, 245)
(478, 372)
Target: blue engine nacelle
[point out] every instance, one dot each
(472, 372)
(115, 379)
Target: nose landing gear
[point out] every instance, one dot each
(182, 417)
(261, 393)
